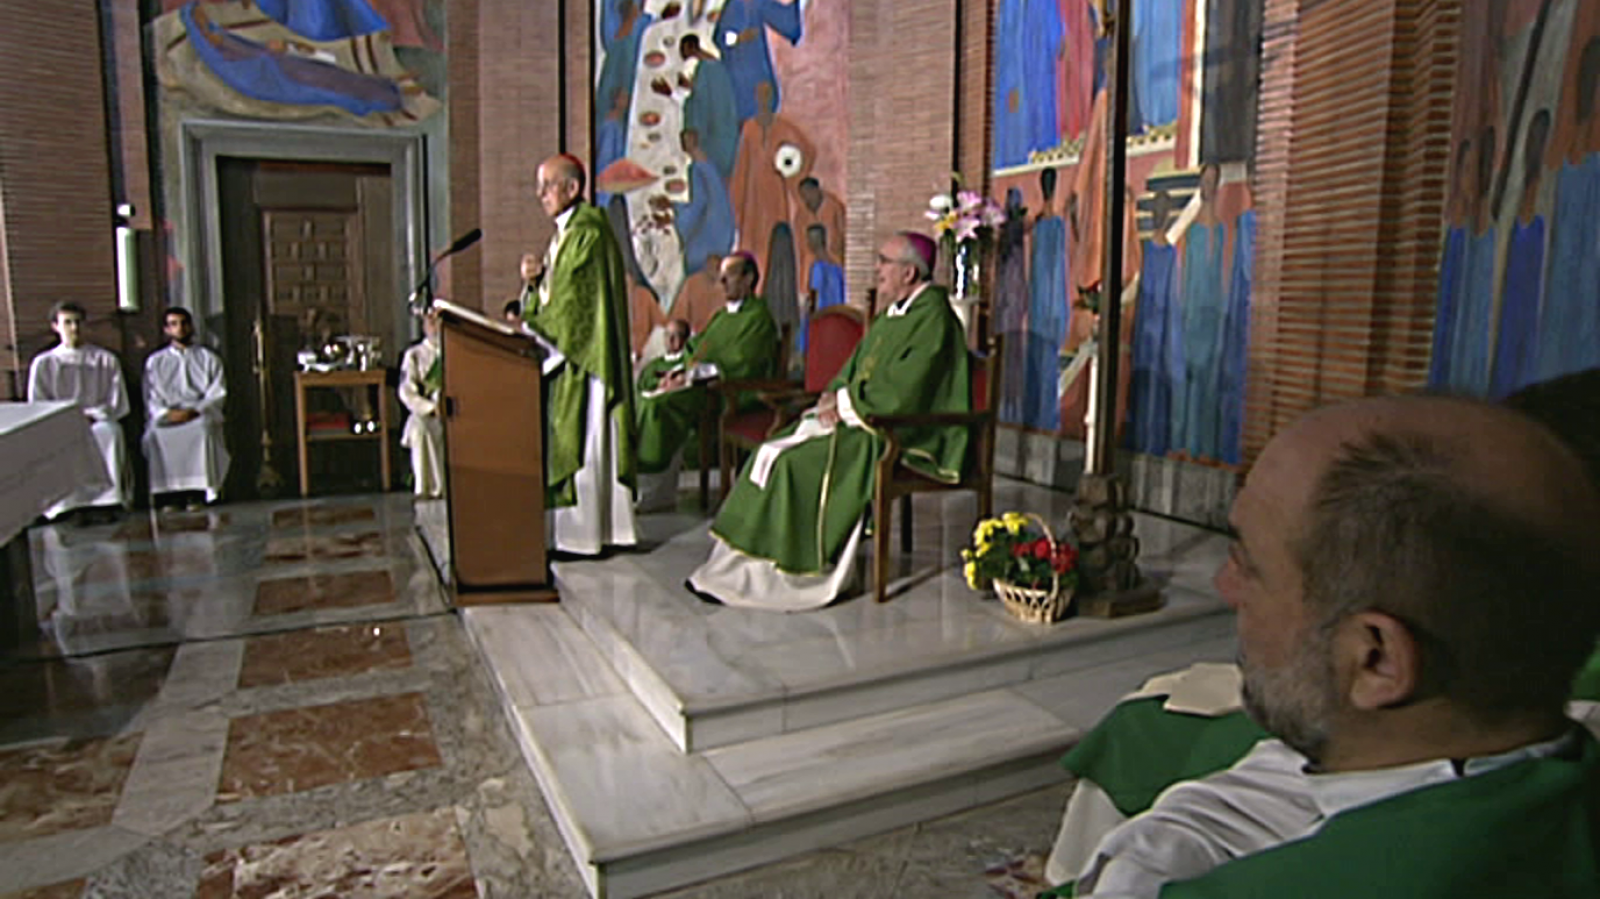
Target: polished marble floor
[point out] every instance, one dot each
(274, 700)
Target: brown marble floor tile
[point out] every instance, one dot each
(322, 515)
(419, 856)
(324, 547)
(292, 750)
(63, 786)
(69, 686)
(327, 652)
(113, 564)
(71, 889)
(141, 528)
(279, 596)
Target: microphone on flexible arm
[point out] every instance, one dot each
(421, 298)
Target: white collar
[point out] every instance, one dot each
(900, 307)
(565, 216)
(1335, 793)
(733, 306)
(672, 357)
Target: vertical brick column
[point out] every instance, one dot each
(55, 194)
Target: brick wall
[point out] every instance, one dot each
(1352, 146)
(55, 195)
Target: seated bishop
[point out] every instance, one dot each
(184, 395)
(737, 344)
(421, 377)
(786, 537)
(90, 376)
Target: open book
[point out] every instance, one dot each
(476, 317)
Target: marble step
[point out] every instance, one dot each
(714, 677)
(640, 816)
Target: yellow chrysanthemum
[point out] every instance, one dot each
(985, 530)
(1014, 521)
(971, 571)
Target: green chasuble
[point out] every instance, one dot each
(741, 344)
(818, 490)
(587, 318)
(1531, 828)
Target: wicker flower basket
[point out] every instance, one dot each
(1036, 605)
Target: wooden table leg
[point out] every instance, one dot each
(300, 434)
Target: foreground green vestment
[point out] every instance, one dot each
(587, 318)
(817, 491)
(1531, 828)
(741, 344)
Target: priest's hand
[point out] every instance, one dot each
(674, 380)
(828, 417)
(179, 416)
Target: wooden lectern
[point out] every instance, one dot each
(493, 416)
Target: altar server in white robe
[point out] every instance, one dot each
(91, 377)
(184, 394)
(419, 393)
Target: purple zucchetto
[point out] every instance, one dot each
(925, 248)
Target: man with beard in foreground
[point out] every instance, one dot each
(1415, 584)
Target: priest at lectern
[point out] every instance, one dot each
(579, 310)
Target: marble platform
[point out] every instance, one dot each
(677, 741)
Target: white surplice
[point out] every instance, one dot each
(192, 455)
(91, 377)
(423, 434)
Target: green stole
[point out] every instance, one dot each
(587, 319)
(817, 491)
(1531, 828)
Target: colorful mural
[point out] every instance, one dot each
(1519, 271)
(297, 59)
(1189, 231)
(717, 129)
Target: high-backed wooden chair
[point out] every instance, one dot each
(831, 336)
(895, 481)
(725, 395)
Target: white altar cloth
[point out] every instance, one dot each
(46, 451)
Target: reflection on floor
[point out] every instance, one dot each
(273, 699)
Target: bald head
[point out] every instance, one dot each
(1471, 525)
(559, 183)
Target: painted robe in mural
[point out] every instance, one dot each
(1446, 317)
(1158, 373)
(1236, 338)
(1010, 108)
(761, 197)
(789, 545)
(741, 38)
(1011, 309)
(1048, 313)
(711, 112)
(705, 223)
(830, 215)
(827, 279)
(1519, 309)
(739, 343)
(1469, 366)
(1157, 53)
(1043, 37)
(620, 37)
(1197, 421)
(1569, 319)
(1075, 70)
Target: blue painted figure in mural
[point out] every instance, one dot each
(324, 20)
(740, 36)
(1047, 312)
(1197, 418)
(611, 140)
(1157, 338)
(1469, 353)
(1236, 337)
(1524, 274)
(1452, 261)
(622, 26)
(1044, 37)
(705, 223)
(710, 108)
(1011, 305)
(825, 276)
(277, 75)
(1569, 319)
(1154, 62)
(1010, 109)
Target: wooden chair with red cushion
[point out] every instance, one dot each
(725, 395)
(896, 481)
(831, 336)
